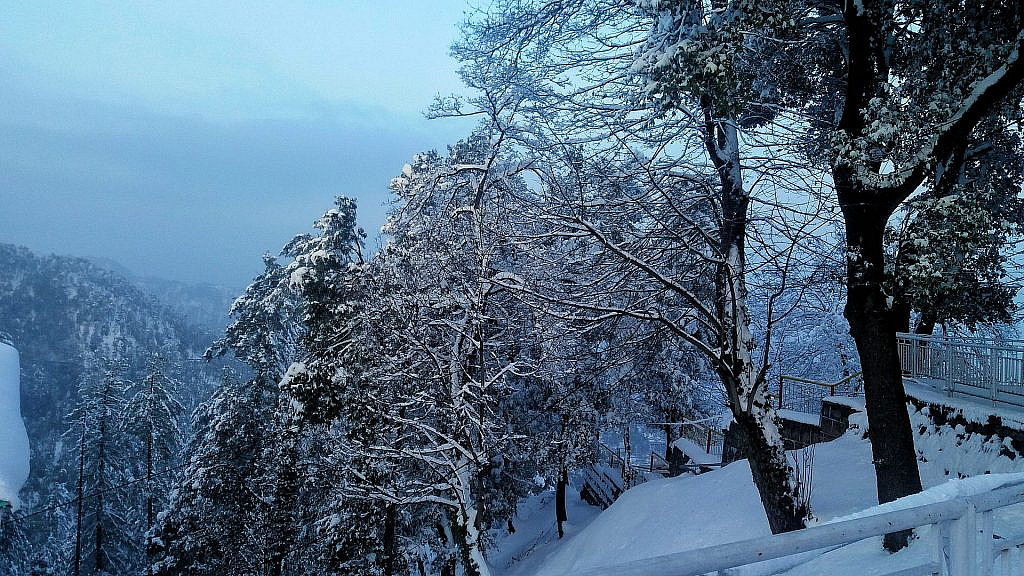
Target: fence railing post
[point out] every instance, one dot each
(985, 552)
(992, 370)
(942, 546)
(949, 367)
(963, 544)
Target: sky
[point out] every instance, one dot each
(184, 139)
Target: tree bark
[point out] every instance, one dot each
(760, 442)
(926, 325)
(560, 513)
(872, 325)
(390, 538)
(772, 473)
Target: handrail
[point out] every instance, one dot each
(655, 456)
(810, 399)
(839, 382)
(987, 371)
(973, 343)
(961, 548)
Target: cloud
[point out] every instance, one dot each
(185, 197)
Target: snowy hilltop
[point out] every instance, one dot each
(13, 438)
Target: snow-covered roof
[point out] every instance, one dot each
(855, 402)
(695, 452)
(802, 417)
(13, 438)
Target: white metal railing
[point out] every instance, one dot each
(972, 367)
(964, 543)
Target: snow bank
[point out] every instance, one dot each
(665, 516)
(689, 512)
(13, 438)
(974, 409)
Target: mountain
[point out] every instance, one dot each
(67, 316)
(204, 306)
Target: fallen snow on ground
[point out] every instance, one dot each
(13, 438)
(975, 409)
(536, 533)
(677, 514)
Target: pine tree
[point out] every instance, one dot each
(214, 512)
(105, 542)
(152, 416)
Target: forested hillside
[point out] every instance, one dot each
(665, 217)
(88, 340)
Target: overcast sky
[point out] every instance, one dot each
(183, 139)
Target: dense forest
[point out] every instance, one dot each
(96, 352)
(665, 207)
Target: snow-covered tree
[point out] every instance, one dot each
(655, 151)
(266, 329)
(152, 415)
(212, 522)
(916, 82)
(106, 540)
(452, 355)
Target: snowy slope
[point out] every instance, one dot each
(13, 438)
(672, 515)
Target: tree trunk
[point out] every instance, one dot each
(390, 532)
(926, 325)
(670, 431)
(560, 513)
(772, 474)
(745, 387)
(468, 546)
(79, 514)
(101, 483)
(150, 513)
(873, 329)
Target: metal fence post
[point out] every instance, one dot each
(949, 367)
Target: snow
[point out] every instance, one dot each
(689, 512)
(855, 402)
(801, 417)
(695, 452)
(664, 516)
(973, 409)
(520, 553)
(14, 449)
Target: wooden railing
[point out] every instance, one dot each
(704, 434)
(980, 368)
(805, 395)
(963, 543)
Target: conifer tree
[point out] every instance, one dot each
(215, 509)
(152, 416)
